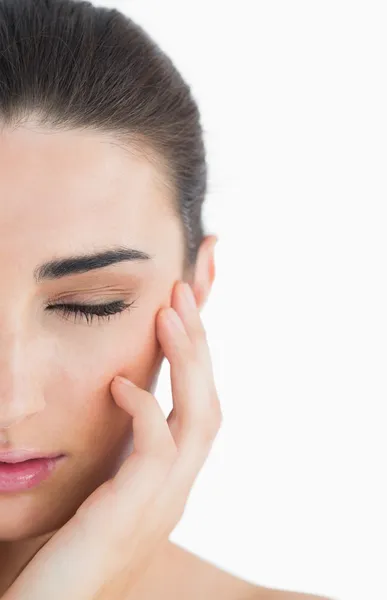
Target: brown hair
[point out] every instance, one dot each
(73, 65)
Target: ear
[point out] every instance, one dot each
(203, 275)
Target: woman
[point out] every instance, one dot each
(103, 176)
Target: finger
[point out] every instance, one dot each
(151, 435)
(184, 302)
(197, 353)
(193, 347)
(143, 471)
(196, 414)
(191, 387)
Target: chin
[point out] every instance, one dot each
(24, 516)
(12, 530)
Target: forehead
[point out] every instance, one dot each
(69, 190)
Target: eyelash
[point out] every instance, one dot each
(89, 311)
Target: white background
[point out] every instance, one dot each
(293, 101)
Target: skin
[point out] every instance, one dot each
(63, 194)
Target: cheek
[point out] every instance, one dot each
(82, 386)
(133, 351)
(91, 356)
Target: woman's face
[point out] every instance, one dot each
(64, 195)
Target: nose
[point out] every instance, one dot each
(3, 427)
(18, 404)
(11, 415)
(10, 423)
(20, 394)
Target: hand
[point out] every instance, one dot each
(123, 522)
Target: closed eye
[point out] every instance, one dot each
(90, 311)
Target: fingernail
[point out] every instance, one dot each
(123, 380)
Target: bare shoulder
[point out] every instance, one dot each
(243, 590)
(207, 581)
(219, 584)
(179, 573)
(276, 594)
(228, 587)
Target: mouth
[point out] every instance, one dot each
(23, 455)
(22, 475)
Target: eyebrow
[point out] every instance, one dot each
(72, 265)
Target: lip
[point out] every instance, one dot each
(15, 456)
(23, 475)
